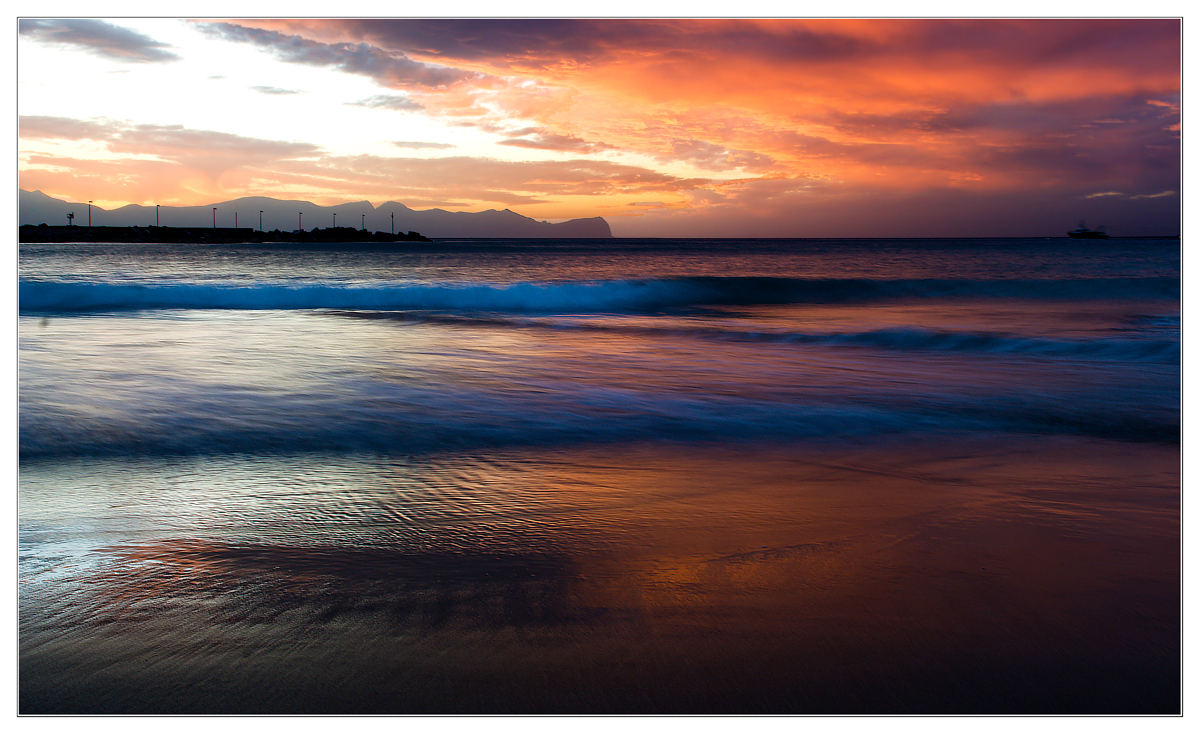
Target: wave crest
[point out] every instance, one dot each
(564, 297)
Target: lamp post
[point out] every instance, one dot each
(89, 213)
(300, 219)
(214, 217)
(260, 220)
(156, 215)
(393, 222)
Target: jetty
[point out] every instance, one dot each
(209, 235)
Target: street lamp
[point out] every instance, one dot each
(260, 220)
(214, 217)
(300, 219)
(393, 222)
(89, 213)
(156, 215)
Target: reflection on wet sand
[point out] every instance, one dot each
(404, 590)
(1024, 579)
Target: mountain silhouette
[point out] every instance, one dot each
(286, 215)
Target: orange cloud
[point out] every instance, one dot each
(864, 81)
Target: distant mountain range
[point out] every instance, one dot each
(38, 208)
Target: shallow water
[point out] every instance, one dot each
(806, 477)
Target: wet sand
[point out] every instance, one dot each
(987, 576)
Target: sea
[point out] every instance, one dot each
(619, 476)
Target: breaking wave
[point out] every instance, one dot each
(562, 297)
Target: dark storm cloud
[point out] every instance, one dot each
(496, 41)
(548, 43)
(1133, 146)
(99, 38)
(1045, 117)
(543, 43)
(389, 69)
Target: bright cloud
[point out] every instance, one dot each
(418, 145)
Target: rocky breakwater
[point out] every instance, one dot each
(215, 235)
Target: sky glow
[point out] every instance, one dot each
(721, 127)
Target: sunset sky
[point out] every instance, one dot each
(737, 127)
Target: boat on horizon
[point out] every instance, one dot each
(1083, 233)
